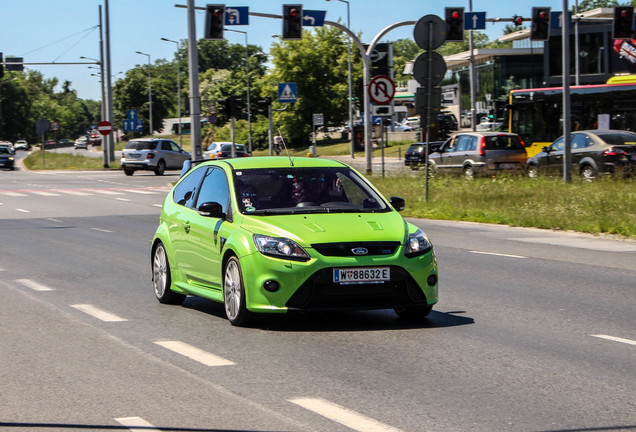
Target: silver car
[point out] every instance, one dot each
(152, 154)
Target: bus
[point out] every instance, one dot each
(536, 114)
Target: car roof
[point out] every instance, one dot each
(485, 133)
(276, 162)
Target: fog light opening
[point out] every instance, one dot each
(432, 279)
(271, 285)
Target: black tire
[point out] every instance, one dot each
(469, 172)
(588, 172)
(129, 171)
(532, 171)
(414, 312)
(234, 294)
(161, 279)
(161, 168)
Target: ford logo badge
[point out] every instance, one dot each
(360, 251)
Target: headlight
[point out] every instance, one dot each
(417, 244)
(280, 247)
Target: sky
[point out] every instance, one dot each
(62, 31)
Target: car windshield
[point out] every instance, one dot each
(618, 138)
(291, 190)
(140, 145)
(5, 150)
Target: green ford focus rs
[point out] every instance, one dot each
(276, 234)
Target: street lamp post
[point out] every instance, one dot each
(350, 81)
(247, 78)
(178, 89)
(149, 92)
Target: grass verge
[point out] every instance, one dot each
(60, 161)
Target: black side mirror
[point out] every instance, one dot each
(398, 203)
(545, 149)
(211, 209)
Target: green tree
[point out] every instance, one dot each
(318, 64)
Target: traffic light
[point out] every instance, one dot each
(214, 21)
(455, 24)
(540, 29)
(263, 106)
(517, 20)
(623, 26)
(292, 22)
(225, 107)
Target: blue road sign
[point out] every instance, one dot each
(132, 114)
(313, 18)
(287, 92)
(474, 20)
(237, 15)
(556, 17)
(135, 125)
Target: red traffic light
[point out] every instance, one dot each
(517, 20)
(217, 12)
(455, 15)
(624, 13)
(293, 12)
(542, 15)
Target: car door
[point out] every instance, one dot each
(579, 149)
(455, 160)
(553, 161)
(208, 234)
(180, 154)
(444, 157)
(178, 220)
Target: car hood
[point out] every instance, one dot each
(306, 229)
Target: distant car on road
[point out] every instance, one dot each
(22, 145)
(81, 143)
(594, 152)
(65, 142)
(222, 150)
(7, 145)
(477, 153)
(152, 154)
(7, 158)
(95, 139)
(415, 155)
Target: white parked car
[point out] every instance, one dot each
(22, 145)
(81, 142)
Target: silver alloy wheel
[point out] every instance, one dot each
(232, 289)
(469, 172)
(587, 172)
(533, 171)
(160, 271)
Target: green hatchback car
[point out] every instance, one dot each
(278, 234)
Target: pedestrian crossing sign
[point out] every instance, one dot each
(287, 93)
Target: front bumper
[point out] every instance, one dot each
(309, 285)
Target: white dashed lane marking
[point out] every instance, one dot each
(342, 415)
(98, 313)
(498, 254)
(136, 424)
(35, 286)
(195, 353)
(615, 339)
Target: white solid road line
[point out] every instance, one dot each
(23, 210)
(137, 424)
(101, 230)
(615, 339)
(342, 415)
(35, 286)
(195, 353)
(498, 254)
(98, 313)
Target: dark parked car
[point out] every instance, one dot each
(7, 160)
(594, 152)
(479, 153)
(152, 154)
(415, 155)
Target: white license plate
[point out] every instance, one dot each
(508, 166)
(362, 275)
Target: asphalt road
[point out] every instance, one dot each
(535, 331)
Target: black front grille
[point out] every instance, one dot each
(346, 249)
(319, 292)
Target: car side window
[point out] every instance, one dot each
(578, 141)
(214, 189)
(557, 145)
(174, 147)
(462, 143)
(186, 191)
(450, 145)
(165, 145)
